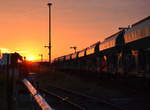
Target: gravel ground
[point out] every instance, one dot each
(127, 92)
(100, 87)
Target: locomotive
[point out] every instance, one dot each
(126, 52)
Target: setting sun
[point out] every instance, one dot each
(31, 58)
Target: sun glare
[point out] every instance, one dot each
(30, 58)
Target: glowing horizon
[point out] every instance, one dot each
(28, 55)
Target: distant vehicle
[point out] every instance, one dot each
(126, 52)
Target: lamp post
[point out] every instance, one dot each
(0, 53)
(75, 48)
(49, 46)
(41, 55)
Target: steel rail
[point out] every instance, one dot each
(65, 99)
(87, 96)
(39, 99)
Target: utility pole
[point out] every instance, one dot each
(49, 46)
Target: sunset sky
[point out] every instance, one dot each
(24, 23)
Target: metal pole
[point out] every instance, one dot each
(49, 5)
(0, 53)
(41, 55)
(74, 47)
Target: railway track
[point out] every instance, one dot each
(63, 99)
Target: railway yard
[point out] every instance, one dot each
(65, 90)
(87, 93)
(110, 75)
